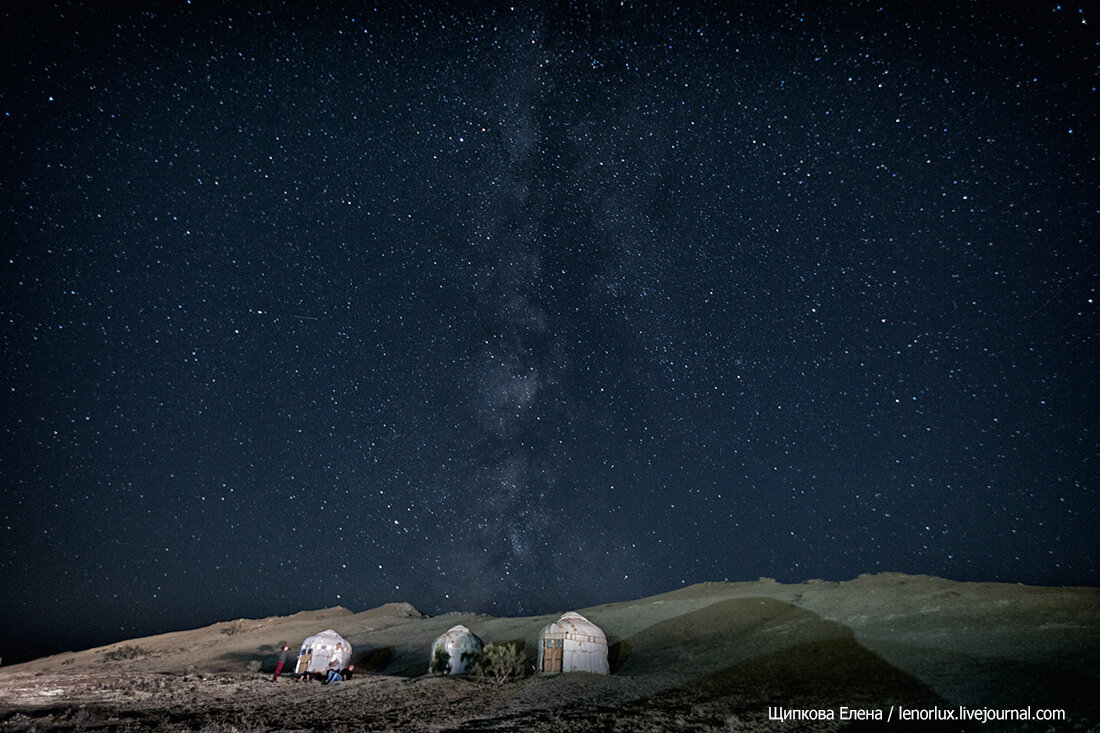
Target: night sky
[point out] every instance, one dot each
(517, 310)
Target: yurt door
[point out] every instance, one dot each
(551, 655)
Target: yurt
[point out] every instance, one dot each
(572, 644)
(460, 644)
(320, 649)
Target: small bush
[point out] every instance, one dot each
(254, 665)
(441, 661)
(499, 663)
(126, 652)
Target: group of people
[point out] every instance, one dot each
(334, 672)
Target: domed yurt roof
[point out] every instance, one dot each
(460, 646)
(319, 650)
(572, 644)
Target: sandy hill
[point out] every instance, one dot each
(715, 656)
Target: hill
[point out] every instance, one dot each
(714, 656)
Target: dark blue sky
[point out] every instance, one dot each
(521, 310)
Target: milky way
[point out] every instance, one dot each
(519, 310)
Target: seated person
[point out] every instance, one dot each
(339, 675)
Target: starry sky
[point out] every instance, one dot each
(521, 309)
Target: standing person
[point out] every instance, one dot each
(279, 664)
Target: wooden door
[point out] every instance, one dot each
(551, 655)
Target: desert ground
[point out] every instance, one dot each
(714, 656)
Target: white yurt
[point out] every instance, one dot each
(461, 645)
(320, 649)
(572, 644)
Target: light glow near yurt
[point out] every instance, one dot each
(318, 651)
(461, 644)
(572, 644)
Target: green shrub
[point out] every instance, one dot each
(499, 663)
